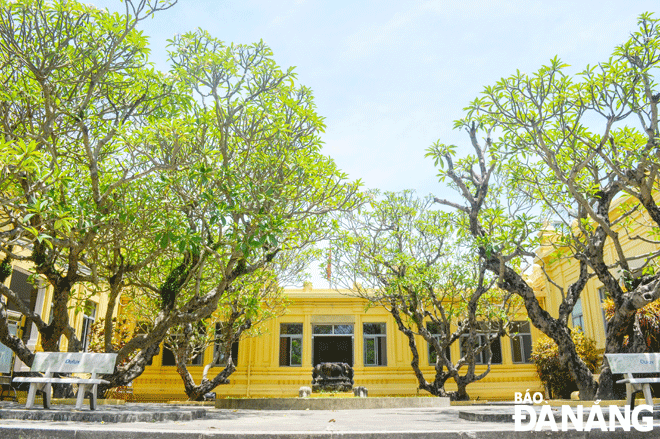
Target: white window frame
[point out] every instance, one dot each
(480, 358)
(292, 337)
(222, 360)
(430, 349)
(523, 354)
(375, 339)
(87, 322)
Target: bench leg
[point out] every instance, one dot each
(630, 395)
(80, 396)
(647, 394)
(46, 390)
(633, 389)
(92, 397)
(31, 394)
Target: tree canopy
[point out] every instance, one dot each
(166, 188)
(401, 253)
(565, 148)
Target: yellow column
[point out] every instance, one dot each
(307, 342)
(358, 340)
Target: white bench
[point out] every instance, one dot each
(66, 362)
(628, 364)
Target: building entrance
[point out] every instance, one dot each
(334, 349)
(332, 344)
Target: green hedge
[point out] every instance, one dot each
(555, 377)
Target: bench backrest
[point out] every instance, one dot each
(6, 357)
(69, 362)
(6, 354)
(634, 363)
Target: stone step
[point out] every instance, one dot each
(106, 414)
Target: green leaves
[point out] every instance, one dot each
(401, 247)
(205, 182)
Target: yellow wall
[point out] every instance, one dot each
(565, 271)
(258, 373)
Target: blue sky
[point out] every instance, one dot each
(390, 77)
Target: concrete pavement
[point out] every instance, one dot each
(413, 423)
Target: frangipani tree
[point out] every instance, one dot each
(402, 254)
(572, 145)
(506, 231)
(251, 300)
(257, 190)
(77, 96)
(163, 189)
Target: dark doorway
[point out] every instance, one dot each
(333, 349)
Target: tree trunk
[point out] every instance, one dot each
(553, 328)
(125, 373)
(584, 379)
(461, 393)
(437, 387)
(197, 392)
(15, 343)
(617, 328)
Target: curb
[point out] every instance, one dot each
(81, 433)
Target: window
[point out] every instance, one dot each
(481, 340)
(521, 342)
(291, 344)
(27, 294)
(332, 343)
(6, 354)
(197, 360)
(169, 358)
(436, 331)
(222, 358)
(375, 347)
(218, 348)
(578, 315)
(332, 329)
(25, 291)
(89, 315)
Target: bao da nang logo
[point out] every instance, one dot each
(526, 417)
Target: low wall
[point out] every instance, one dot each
(328, 403)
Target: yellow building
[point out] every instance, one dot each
(325, 325)
(588, 312)
(318, 326)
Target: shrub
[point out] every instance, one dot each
(649, 322)
(555, 376)
(124, 329)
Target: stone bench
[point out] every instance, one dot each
(49, 363)
(629, 364)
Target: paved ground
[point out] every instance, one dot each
(414, 423)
